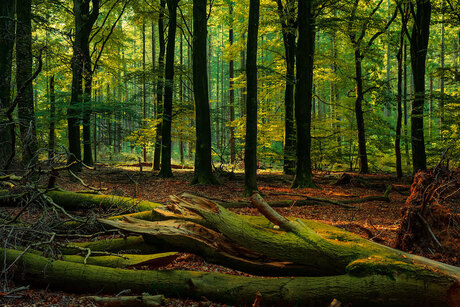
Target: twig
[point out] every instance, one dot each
(429, 229)
(85, 184)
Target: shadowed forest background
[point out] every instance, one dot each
(167, 127)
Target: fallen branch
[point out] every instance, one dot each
(85, 184)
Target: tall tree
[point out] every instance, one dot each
(26, 114)
(418, 50)
(6, 59)
(405, 18)
(165, 170)
(160, 85)
(81, 62)
(231, 90)
(360, 50)
(288, 26)
(52, 120)
(305, 52)
(250, 148)
(144, 91)
(203, 168)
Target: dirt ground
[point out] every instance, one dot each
(375, 220)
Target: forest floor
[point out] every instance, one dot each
(375, 220)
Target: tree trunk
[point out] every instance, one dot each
(165, 170)
(399, 96)
(203, 169)
(405, 116)
(378, 289)
(26, 114)
(287, 19)
(363, 165)
(303, 94)
(419, 44)
(250, 148)
(52, 121)
(442, 83)
(81, 68)
(7, 37)
(160, 86)
(87, 108)
(144, 92)
(231, 89)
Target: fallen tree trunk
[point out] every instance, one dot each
(381, 288)
(75, 201)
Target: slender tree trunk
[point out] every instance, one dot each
(399, 110)
(287, 19)
(419, 45)
(52, 119)
(87, 108)
(26, 114)
(442, 89)
(405, 116)
(144, 91)
(250, 149)
(203, 168)
(243, 93)
(387, 111)
(399, 96)
(430, 108)
(181, 99)
(165, 170)
(305, 52)
(231, 90)
(160, 87)
(7, 37)
(363, 165)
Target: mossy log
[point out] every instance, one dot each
(76, 201)
(381, 288)
(124, 260)
(128, 245)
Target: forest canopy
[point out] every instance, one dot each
(106, 86)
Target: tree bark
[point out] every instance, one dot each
(7, 37)
(399, 95)
(52, 125)
(165, 170)
(303, 94)
(288, 25)
(231, 89)
(419, 44)
(160, 87)
(250, 147)
(26, 114)
(363, 165)
(203, 168)
(81, 69)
